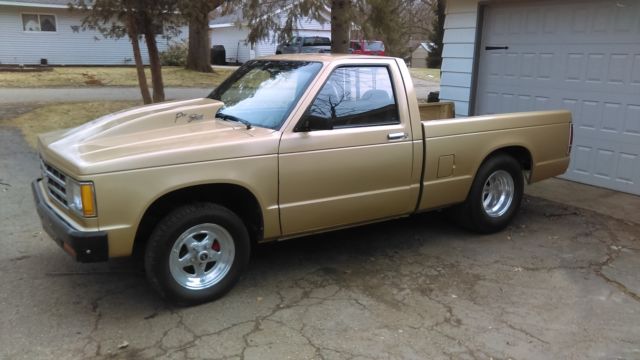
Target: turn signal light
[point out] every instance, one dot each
(88, 202)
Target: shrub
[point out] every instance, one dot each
(175, 55)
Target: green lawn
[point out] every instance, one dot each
(62, 116)
(173, 76)
(425, 74)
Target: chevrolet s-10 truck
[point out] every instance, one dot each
(288, 145)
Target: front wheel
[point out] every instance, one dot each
(197, 253)
(495, 195)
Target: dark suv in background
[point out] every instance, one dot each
(305, 44)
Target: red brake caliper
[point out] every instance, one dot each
(215, 246)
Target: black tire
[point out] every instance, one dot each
(174, 228)
(278, 52)
(472, 213)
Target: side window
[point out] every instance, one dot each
(38, 22)
(356, 96)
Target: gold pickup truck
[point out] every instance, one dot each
(287, 146)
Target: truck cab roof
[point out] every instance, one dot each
(323, 57)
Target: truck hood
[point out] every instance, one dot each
(154, 135)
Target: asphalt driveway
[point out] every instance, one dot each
(561, 283)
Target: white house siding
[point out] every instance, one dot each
(233, 38)
(419, 57)
(459, 47)
(63, 47)
(266, 47)
(234, 41)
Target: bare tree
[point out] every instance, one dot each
(135, 19)
(396, 22)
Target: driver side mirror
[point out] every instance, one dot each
(314, 123)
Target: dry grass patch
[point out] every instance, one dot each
(173, 76)
(425, 74)
(62, 116)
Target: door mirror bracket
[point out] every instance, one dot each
(313, 123)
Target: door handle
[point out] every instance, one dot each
(496, 48)
(397, 136)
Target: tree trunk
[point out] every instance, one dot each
(434, 60)
(199, 56)
(142, 77)
(340, 26)
(156, 68)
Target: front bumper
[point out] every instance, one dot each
(84, 246)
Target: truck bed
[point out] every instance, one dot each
(436, 111)
(455, 148)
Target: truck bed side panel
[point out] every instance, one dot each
(456, 148)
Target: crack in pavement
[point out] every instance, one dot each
(613, 252)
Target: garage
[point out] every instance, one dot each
(583, 56)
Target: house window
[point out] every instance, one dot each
(38, 22)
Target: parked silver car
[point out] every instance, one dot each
(305, 44)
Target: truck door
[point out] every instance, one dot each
(348, 159)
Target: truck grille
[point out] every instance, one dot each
(56, 183)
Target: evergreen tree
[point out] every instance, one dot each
(279, 17)
(436, 35)
(386, 20)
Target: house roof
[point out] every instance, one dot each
(227, 20)
(427, 46)
(37, 3)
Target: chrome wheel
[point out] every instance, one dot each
(201, 256)
(497, 193)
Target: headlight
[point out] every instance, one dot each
(81, 197)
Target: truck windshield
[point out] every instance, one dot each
(263, 92)
(374, 45)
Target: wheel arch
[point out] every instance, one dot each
(519, 152)
(467, 213)
(235, 197)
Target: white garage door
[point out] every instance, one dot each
(583, 56)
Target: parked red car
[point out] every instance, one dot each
(366, 47)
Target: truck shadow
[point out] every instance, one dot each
(119, 289)
(273, 262)
(359, 243)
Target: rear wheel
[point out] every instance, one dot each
(197, 253)
(495, 195)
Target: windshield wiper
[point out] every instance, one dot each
(229, 117)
